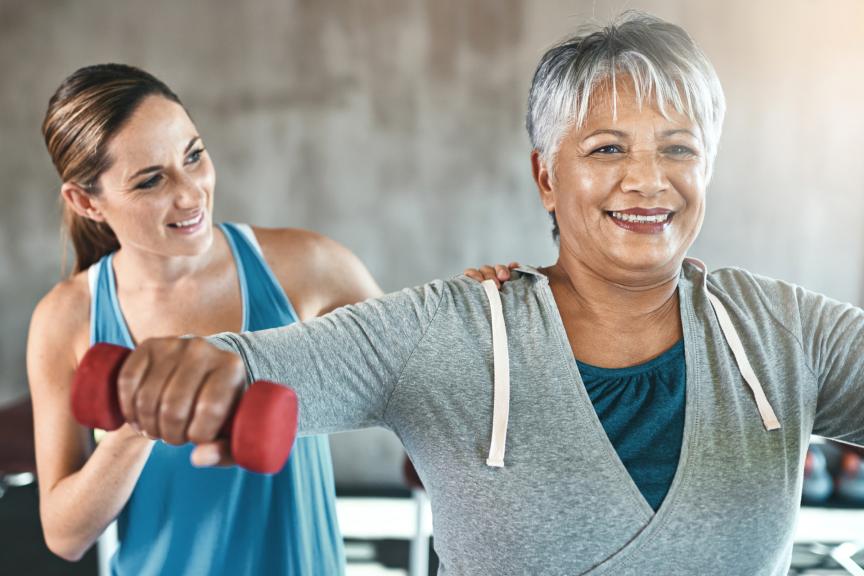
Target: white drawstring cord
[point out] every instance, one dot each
(769, 419)
(501, 362)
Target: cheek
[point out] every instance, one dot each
(691, 185)
(585, 185)
(208, 173)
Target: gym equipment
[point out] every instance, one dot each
(261, 429)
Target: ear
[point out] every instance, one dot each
(81, 202)
(544, 181)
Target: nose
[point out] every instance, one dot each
(644, 174)
(188, 191)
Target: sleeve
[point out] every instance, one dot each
(832, 335)
(345, 365)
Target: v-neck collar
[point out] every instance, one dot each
(651, 518)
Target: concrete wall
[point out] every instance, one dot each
(397, 128)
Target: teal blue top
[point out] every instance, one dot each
(642, 411)
(183, 520)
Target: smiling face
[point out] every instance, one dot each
(157, 195)
(628, 188)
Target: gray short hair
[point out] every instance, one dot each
(662, 60)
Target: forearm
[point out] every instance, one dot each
(78, 508)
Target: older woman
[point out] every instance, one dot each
(620, 412)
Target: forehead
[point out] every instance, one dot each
(622, 107)
(157, 126)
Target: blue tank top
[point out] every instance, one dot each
(642, 411)
(185, 520)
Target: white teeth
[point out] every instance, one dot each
(654, 219)
(190, 222)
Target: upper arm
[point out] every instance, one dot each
(833, 337)
(830, 336)
(344, 365)
(317, 273)
(57, 327)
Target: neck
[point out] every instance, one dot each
(624, 307)
(146, 271)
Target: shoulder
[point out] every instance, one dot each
(317, 272)
(757, 291)
(465, 298)
(764, 302)
(295, 245)
(61, 320)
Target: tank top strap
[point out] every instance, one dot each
(265, 303)
(106, 320)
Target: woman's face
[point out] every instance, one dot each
(628, 190)
(157, 195)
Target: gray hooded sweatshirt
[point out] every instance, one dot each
(420, 363)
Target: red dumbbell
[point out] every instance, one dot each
(261, 429)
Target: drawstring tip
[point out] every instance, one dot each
(772, 425)
(495, 463)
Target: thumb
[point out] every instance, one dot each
(216, 453)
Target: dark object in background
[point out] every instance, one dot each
(22, 546)
(833, 476)
(818, 484)
(849, 485)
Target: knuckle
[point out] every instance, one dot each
(125, 380)
(172, 414)
(144, 406)
(196, 346)
(211, 411)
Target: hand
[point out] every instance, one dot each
(498, 273)
(182, 390)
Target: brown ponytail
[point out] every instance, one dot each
(85, 112)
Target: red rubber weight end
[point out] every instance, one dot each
(94, 388)
(264, 428)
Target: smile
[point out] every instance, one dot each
(641, 219)
(188, 223)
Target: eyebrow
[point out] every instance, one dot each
(620, 134)
(617, 133)
(157, 167)
(674, 131)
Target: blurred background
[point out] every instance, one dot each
(397, 128)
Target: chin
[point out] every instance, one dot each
(648, 263)
(196, 246)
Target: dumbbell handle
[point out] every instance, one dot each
(261, 429)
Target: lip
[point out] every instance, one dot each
(643, 227)
(200, 215)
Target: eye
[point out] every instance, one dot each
(151, 182)
(608, 149)
(680, 151)
(194, 156)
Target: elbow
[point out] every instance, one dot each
(65, 548)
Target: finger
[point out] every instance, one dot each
(129, 378)
(149, 394)
(217, 397)
(473, 273)
(180, 394)
(488, 272)
(502, 272)
(212, 454)
(513, 265)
